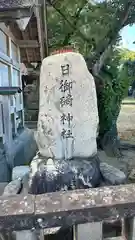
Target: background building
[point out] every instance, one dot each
(23, 39)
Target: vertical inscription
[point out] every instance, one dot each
(66, 99)
(65, 69)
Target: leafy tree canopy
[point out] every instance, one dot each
(93, 27)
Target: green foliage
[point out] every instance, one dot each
(89, 25)
(116, 83)
(92, 27)
(80, 23)
(127, 55)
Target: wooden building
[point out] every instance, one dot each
(23, 39)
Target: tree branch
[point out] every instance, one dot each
(99, 64)
(76, 16)
(69, 23)
(112, 36)
(126, 13)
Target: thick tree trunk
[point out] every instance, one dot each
(101, 61)
(109, 140)
(108, 135)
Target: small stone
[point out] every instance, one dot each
(132, 175)
(111, 174)
(12, 188)
(20, 172)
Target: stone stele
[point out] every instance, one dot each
(68, 114)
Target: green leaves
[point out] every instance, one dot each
(93, 28)
(89, 25)
(116, 81)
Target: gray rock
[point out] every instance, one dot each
(20, 172)
(26, 234)
(111, 174)
(2, 187)
(132, 175)
(23, 149)
(12, 188)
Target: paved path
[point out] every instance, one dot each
(126, 122)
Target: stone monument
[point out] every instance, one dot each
(68, 114)
(67, 127)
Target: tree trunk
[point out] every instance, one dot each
(108, 135)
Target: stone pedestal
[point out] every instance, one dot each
(58, 175)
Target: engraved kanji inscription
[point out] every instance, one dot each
(63, 118)
(67, 118)
(66, 133)
(67, 100)
(63, 133)
(65, 86)
(65, 69)
(62, 101)
(69, 134)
